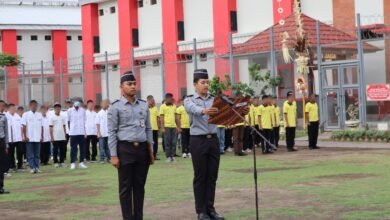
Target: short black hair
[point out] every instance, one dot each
(289, 93)
(169, 95)
(11, 105)
(89, 101)
(33, 102)
(264, 97)
(20, 108)
(97, 107)
(149, 97)
(2, 101)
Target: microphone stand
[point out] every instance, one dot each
(254, 132)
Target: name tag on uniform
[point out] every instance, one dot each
(142, 123)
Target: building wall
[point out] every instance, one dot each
(321, 10)
(198, 19)
(33, 52)
(370, 11)
(108, 28)
(74, 45)
(151, 81)
(254, 15)
(150, 24)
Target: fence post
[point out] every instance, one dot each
(163, 69)
(273, 61)
(319, 71)
(195, 55)
(61, 82)
(362, 84)
(231, 59)
(6, 85)
(82, 76)
(106, 74)
(24, 84)
(42, 85)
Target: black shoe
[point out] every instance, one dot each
(2, 191)
(316, 148)
(240, 154)
(203, 216)
(216, 216)
(291, 150)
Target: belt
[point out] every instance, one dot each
(208, 136)
(134, 143)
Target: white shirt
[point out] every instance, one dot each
(101, 119)
(90, 126)
(14, 127)
(46, 128)
(77, 121)
(58, 122)
(33, 123)
(64, 114)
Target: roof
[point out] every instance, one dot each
(331, 37)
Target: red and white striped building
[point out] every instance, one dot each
(118, 26)
(39, 30)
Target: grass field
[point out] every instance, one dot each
(324, 184)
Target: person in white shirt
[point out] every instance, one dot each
(64, 113)
(32, 135)
(14, 137)
(45, 145)
(76, 121)
(58, 135)
(102, 131)
(91, 132)
(20, 112)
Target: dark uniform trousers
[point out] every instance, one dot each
(185, 140)
(267, 133)
(313, 134)
(91, 142)
(4, 165)
(132, 173)
(205, 159)
(18, 147)
(155, 142)
(276, 136)
(290, 137)
(228, 138)
(45, 152)
(248, 140)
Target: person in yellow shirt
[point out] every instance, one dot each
(252, 119)
(238, 137)
(183, 126)
(266, 123)
(154, 122)
(311, 110)
(168, 126)
(290, 120)
(276, 129)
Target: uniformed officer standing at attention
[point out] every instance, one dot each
(204, 146)
(3, 146)
(130, 140)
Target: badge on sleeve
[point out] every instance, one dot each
(142, 123)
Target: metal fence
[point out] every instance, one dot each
(343, 63)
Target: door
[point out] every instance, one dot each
(332, 109)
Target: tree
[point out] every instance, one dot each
(217, 86)
(7, 60)
(262, 82)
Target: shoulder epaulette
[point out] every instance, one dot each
(141, 100)
(189, 96)
(115, 101)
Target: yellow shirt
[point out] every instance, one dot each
(277, 116)
(169, 112)
(266, 113)
(153, 112)
(312, 109)
(291, 111)
(184, 118)
(253, 113)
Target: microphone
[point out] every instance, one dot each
(227, 100)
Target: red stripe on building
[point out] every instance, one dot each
(282, 9)
(9, 45)
(90, 29)
(175, 70)
(60, 52)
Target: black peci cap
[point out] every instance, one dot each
(201, 74)
(127, 76)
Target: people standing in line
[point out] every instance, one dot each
(313, 121)
(64, 113)
(20, 112)
(14, 138)
(168, 126)
(45, 144)
(183, 126)
(238, 137)
(58, 136)
(254, 118)
(102, 131)
(91, 139)
(276, 129)
(290, 120)
(130, 141)
(154, 122)
(32, 135)
(266, 115)
(228, 139)
(4, 165)
(248, 139)
(76, 121)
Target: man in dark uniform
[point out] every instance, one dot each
(204, 146)
(3, 146)
(130, 140)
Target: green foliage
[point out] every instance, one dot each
(361, 134)
(243, 89)
(263, 81)
(7, 60)
(218, 86)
